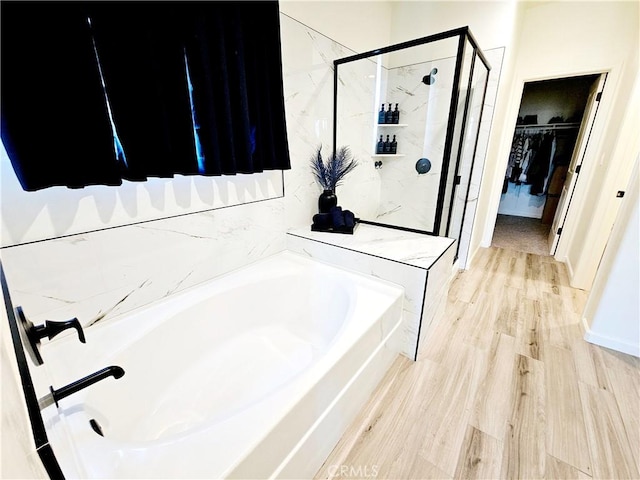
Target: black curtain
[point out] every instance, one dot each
(140, 48)
(232, 50)
(234, 54)
(54, 118)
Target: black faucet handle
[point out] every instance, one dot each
(31, 334)
(50, 329)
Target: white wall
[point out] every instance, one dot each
(358, 25)
(612, 314)
(491, 22)
(588, 253)
(559, 39)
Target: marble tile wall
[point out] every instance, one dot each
(419, 263)
(408, 198)
(357, 117)
(404, 197)
(100, 274)
(394, 194)
(308, 86)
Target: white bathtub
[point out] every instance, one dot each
(255, 374)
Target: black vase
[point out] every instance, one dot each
(327, 200)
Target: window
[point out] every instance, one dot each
(94, 93)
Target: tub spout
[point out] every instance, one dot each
(56, 395)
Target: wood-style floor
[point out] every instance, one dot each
(505, 387)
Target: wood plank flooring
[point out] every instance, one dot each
(504, 388)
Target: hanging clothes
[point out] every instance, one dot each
(515, 158)
(530, 159)
(551, 165)
(566, 141)
(539, 168)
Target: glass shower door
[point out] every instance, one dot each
(471, 106)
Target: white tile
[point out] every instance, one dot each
(410, 248)
(113, 271)
(401, 257)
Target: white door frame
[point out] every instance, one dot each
(577, 157)
(594, 155)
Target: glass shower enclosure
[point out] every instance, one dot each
(410, 113)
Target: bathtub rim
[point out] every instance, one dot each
(370, 281)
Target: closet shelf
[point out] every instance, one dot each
(388, 155)
(392, 124)
(548, 126)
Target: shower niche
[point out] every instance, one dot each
(422, 183)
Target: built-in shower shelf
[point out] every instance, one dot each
(393, 124)
(389, 155)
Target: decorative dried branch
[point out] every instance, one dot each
(331, 173)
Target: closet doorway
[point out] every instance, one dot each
(554, 123)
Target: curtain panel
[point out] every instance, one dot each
(94, 93)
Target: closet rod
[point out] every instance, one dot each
(548, 126)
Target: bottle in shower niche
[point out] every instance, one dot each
(387, 145)
(395, 117)
(394, 146)
(380, 146)
(388, 115)
(381, 114)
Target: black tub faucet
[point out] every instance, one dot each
(56, 395)
(31, 334)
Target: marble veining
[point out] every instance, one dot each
(425, 111)
(383, 253)
(308, 88)
(411, 248)
(102, 274)
(111, 272)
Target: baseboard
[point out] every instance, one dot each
(519, 213)
(472, 257)
(567, 262)
(585, 326)
(608, 342)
